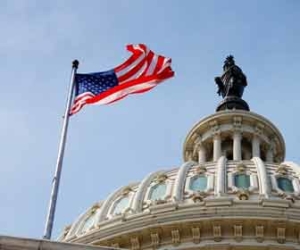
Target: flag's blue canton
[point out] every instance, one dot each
(95, 83)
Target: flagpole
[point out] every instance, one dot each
(60, 157)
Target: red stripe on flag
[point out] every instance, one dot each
(135, 55)
(159, 64)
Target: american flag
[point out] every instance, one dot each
(140, 73)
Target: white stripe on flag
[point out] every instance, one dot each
(152, 66)
(133, 64)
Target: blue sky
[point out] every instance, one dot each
(111, 146)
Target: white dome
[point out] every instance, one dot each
(233, 185)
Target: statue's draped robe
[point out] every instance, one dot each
(234, 81)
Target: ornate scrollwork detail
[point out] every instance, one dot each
(243, 194)
(282, 170)
(240, 168)
(126, 191)
(94, 208)
(161, 178)
(200, 170)
(198, 196)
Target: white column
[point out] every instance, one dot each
(237, 147)
(255, 146)
(221, 176)
(217, 147)
(201, 154)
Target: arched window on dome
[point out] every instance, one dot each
(121, 205)
(158, 191)
(285, 184)
(89, 222)
(198, 183)
(242, 181)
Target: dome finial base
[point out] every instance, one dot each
(233, 102)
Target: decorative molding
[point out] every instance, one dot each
(135, 243)
(155, 240)
(259, 233)
(281, 235)
(238, 232)
(217, 233)
(196, 234)
(157, 237)
(175, 237)
(237, 123)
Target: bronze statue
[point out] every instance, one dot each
(233, 81)
(231, 86)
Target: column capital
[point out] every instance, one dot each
(237, 133)
(217, 136)
(214, 126)
(258, 128)
(255, 137)
(198, 142)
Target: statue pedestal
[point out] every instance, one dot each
(233, 102)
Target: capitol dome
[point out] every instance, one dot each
(234, 190)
